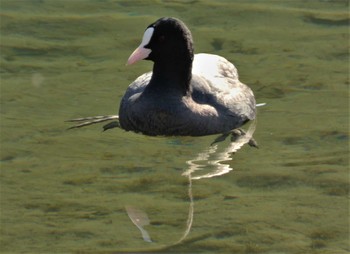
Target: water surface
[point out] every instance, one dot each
(66, 191)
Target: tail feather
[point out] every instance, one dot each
(85, 121)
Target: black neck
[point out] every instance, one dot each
(172, 74)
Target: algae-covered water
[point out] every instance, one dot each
(67, 191)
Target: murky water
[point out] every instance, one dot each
(66, 191)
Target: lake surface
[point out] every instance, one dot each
(67, 191)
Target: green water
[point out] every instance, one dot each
(66, 191)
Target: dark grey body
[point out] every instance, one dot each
(217, 102)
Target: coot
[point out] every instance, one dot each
(185, 94)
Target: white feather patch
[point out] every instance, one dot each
(147, 36)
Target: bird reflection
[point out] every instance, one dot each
(197, 169)
(140, 219)
(217, 165)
